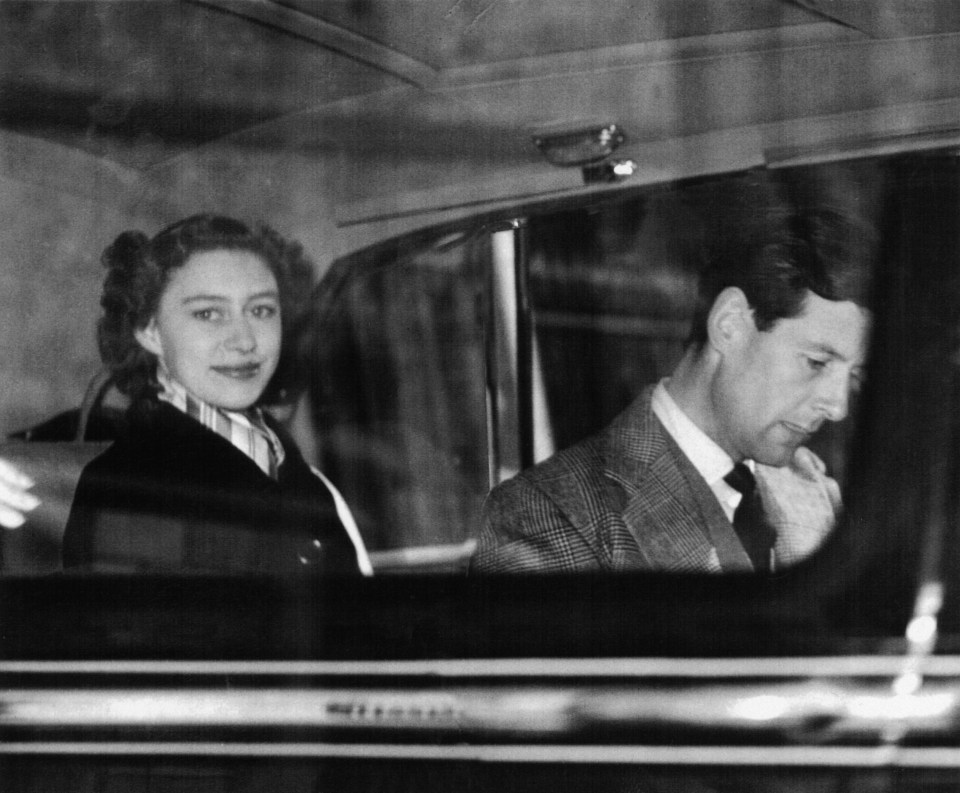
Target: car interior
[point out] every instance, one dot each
(505, 203)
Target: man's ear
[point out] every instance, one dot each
(148, 337)
(730, 319)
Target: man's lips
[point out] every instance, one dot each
(799, 430)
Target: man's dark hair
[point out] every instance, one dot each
(780, 238)
(139, 269)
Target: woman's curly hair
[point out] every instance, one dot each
(139, 269)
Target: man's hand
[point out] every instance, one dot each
(812, 468)
(15, 501)
(800, 502)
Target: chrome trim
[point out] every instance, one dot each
(524, 342)
(795, 710)
(681, 668)
(422, 556)
(749, 756)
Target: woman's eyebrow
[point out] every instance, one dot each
(203, 297)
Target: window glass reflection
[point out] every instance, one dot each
(415, 383)
(693, 343)
(397, 397)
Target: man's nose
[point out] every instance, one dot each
(833, 396)
(240, 336)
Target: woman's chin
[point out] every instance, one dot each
(237, 397)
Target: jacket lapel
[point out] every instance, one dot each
(200, 454)
(666, 524)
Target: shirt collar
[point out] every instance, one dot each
(711, 461)
(241, 429)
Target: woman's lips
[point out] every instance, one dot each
(246, 371)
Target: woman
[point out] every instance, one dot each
(201, 479)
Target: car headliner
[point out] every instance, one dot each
(411, 109)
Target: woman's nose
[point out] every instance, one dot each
(241, 336)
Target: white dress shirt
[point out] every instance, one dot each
(712, 462)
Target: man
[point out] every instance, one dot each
(777, 345)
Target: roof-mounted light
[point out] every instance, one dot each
(578, 146)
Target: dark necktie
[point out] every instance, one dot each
(748, 522)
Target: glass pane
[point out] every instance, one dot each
(612, 290)
(397, 392)
(746, 298)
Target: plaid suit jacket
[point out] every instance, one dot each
(629, 499)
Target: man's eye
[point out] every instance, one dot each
(817, 364)
(206, 314)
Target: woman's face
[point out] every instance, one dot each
(217, 329)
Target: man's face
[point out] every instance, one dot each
(777, 387)
(217, 329)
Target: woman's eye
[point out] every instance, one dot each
(265, 311)
(817, 364)
(206, 314)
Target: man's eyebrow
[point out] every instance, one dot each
(827, 349)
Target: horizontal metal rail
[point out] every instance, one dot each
(718, 756)
(521, 668)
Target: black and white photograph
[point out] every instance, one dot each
(479, 396)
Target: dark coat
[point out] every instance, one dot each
(171, 495)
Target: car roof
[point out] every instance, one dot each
(403, 113)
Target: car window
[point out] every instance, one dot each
(397, 394)
(614, 289)
(419, 384)
(489, 293)
(444, 362)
